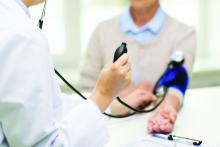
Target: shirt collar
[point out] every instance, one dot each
(21, 4)
(154, 25)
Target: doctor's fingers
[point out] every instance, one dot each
(126, 68)
(128, 78)
(121, 69)
(122, 60)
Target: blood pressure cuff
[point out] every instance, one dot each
(175, 78)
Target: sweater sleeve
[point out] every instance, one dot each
(186, 43)
(93, 63)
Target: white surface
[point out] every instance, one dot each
(199, 119)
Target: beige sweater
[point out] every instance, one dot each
(148, 60)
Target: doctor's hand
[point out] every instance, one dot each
(163, 120)
(138, 99)
(112, 80)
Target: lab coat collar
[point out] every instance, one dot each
(25, 9)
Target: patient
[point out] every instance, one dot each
(151, 36)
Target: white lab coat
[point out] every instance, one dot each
(33, 112)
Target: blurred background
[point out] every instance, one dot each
(69, 24)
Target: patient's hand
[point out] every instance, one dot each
(139, 98)
(133, 87)
(163, 120)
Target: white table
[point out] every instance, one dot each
(199, 119)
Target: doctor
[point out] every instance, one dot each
(33, 112)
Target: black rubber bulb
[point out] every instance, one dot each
(120, 51)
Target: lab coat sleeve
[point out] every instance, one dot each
(85, 126)
(27, 95)
(71, 100)
(26, 106)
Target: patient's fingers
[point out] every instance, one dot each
(168, 128)
(171, 115)
(160, 124)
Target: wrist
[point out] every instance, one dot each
(170, 101)
(101, 99)
(118, 108)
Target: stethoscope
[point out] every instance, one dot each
(159, 92)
